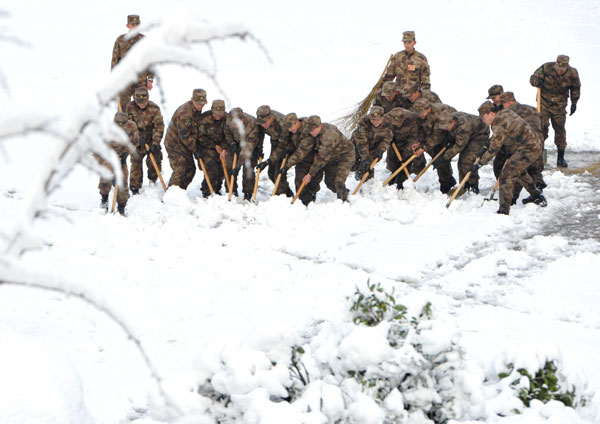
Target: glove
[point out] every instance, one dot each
(234, 148)
(197, 154)
(263, 165)
(366, 167)
(155, 149)
(123, 158)
(283, 171)
(573, 108)
(536, 81)
(379, 154)
(476, 167)
(482, 151)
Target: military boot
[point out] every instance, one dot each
(289, 192)
(538, 199)
(104, 201)
(560, 160)
(135, 191)
(307, 199)
(473, 188)
(445, 187)
(248, 196)
(502, 211)
(121, 209)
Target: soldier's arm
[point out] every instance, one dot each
(537, 79)
(116, 54)
(324, 154)
(305, 147)
(359, 138)
(496, 143)
(385, 142)
(390, 72)
(279, 150)
(575, 87)
(159, 127)
(461, 139)
(425, 75)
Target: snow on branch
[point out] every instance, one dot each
(170, 41)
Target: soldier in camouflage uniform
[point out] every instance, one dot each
(494, 93)
(371, 138)
(302, 156)
(105, 185)
(414, 93)
(470, 134)
(272, 123)
(146, 115)
(409, 66)
(211, 146)
(534, 120)
(180, 140)
(557, 80)
(405, 133)
(435, 139)
(522, 146)
(248, 151)
(335, 156)
(390, 97)
(122, 45)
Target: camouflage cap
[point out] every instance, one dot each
(218, 107)
(289, 120)
(199, 96)
(133, 19)
(237, 112)
(376, 112)
(121, 118)
(141, 94)
(494, 90)
(444, 120)
(389, 87)
(421, 105)
(408, 36)
(562, 61)
(313, 122)
(486, 107)
(262, 114)
(507, 96)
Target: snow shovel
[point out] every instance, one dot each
(440, 153)
(210, 187)
(298, 192)
(225, 172)
(399, 158)
(364, 178)
(114, 202)
(278, 179)
(494, 190)
(232, 176)
(256, 181)
(399, 170)
(164, 186)
(462, 183)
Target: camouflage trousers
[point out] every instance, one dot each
(515, 171)
(248, 175)
(105, 185)
(467, 158)
(309, 193)
(272, 173)
(182, 163)
(336, 173)
(214, 171)
(137, 169)
(558, 118)
(535, 169)
(392, 162)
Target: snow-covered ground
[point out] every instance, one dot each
(193, 276)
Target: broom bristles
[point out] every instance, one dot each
(348, 122)
(592, 169)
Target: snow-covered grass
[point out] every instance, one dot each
(213, 286)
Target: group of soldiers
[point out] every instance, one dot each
(405, 120)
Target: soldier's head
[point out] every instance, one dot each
(218, 109)
(507, 99)
(494, 94)
(413, 92)
(264, 117)
(291, 123)
(487, 112)
(199, 99)
(445, 122)
(133, 21)
(314, 125)
(422, 107)
(121, 118)
(236, 113)
(141, 97)
(376, 115)
(562, 64)
(390, 90)
(408, 38)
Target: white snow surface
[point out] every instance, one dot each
(221, 290)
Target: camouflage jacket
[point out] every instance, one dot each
(404, 125)
(329, 144)
(253, 137)
(434, 136)
(304, 146)
(409, 68)
(512, 132)
(368, 138)
(530, 115)
(132, 132)
(467, 127)
(183, 128)
(120, 49)
(430, 96)
(387, 105)
(555, 88)
(211, 132)
(149, 122)
(275, 130)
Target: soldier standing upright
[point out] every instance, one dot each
(180, 140)
(409, 66)
(146, 115)
(557, 81)
(123, 43)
